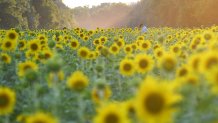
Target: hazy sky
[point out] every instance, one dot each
(90, 3)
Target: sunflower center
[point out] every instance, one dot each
(169, 64)
(176, 49)
(26, 67)
(73, 44)
(159, 53)
(211, 62)
(8, 44)
(83, 53)
(183, 72)
(143, 63)
(154, 103)
(144, 45)
(111, 118)
(4, 58)
(4, 100)
(128, 49)
(12, 36)
(127, 67)
(114, 49)
(79, 85)
(34, 47)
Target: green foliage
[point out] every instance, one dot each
(33, 14)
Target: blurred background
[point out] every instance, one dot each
(57, 14)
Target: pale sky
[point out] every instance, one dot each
(90, 3)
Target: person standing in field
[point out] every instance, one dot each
(143, 28)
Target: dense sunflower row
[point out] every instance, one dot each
(109, 76)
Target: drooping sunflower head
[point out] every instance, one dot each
(7, 100)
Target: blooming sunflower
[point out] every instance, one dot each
(110, 114)
(77, 81)
(12, 35)
(74, 44)
(25, 66)
(5, 58)
(83, 52)
(114, 49)
(144, 63)
(168, 62)
(41, 117)
(154, 101)
(34, 46)
(8, 45)
(7, 100)
(127, 67)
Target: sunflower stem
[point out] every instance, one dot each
(80, 108)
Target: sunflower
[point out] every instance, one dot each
(114, 49)
(77, 81)
(209, 61)
(21, 45)
(145, 45)
(74, 44)
(159, 53)
(209, 36)
(120, 43)
(168, 62)
(7, 100)
(128, 49)
(8, 45)
(155, 101)
(48, 54)
(12, 35)
(212, 78)
(96, 42)
(110, 114)
(175, 49)
(5, 58)
(25, 66)
(83, 52)
(34, 46)
(41, 117)
(194, 62)
(144, 63)
(127, 67)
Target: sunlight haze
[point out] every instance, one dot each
(90, 3)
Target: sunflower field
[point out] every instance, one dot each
(115, 75)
